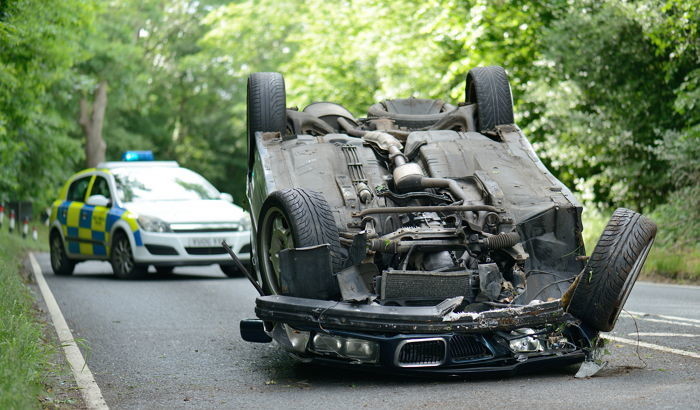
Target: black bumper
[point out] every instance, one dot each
(473, 343)
(423, 319)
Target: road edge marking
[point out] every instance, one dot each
(92, 395)
(651, 346)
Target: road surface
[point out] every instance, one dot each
(173, 342)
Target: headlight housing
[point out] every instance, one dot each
(360, 350)
(153, 224)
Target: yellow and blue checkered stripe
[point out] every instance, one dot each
(87, 231)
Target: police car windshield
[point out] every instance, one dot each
(139, 184)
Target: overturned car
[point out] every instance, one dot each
(424, 238)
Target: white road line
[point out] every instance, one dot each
(662, 334)
(83, 376)
(652, 346)
(682, 319)
(650, 319)
(670, 285)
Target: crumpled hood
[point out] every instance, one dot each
(191, 211)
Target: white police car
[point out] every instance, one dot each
(140, 212)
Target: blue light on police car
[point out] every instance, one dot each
(137, 156)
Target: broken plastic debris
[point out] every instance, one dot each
(589, 368)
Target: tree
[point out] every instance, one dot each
(39, 45)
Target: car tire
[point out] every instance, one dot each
(300, 218)
(612, 269)
(231, 271)
(266, 107)
(61, 264)
(489, 89)
(165, 270)
(122, 259)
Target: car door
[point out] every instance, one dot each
(98, 216)
(75, 218)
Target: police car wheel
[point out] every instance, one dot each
(122, 259)
(60, 263)
(165, 270)
(231, 271)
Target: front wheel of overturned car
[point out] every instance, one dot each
(489, 89)
(60, 263)
(122, 259)
(295, 218)
(612, 269)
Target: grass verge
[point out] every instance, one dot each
(665, 263)
(24, 355)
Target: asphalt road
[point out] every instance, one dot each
(173, 342)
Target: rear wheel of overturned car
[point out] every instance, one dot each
(294, 218)
(267, 107)
(122, 259)
(60, 263)
(612, 269)
(489, 89)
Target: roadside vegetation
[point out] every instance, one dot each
(24, 354)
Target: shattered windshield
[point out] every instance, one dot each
(161, 184)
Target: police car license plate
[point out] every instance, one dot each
(205, 242)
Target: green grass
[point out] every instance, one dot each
(24, 355)
(666, 262)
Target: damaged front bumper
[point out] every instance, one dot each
(422, 339)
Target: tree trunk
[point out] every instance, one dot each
(91, 119)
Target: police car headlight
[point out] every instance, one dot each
(153, 224)
(246, 224)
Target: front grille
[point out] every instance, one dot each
(161, 250)
(205, 227)
(245, 249)
(205, 230)
(212, 250)
(464, 347)
(421, 353)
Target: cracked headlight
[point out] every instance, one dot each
(153, 224)
(365, 351)
(523, 343)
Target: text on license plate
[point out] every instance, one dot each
(205, 242)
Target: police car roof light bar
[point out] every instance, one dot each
(138, 156)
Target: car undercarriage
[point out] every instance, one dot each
(425, 237)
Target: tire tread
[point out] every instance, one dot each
(623, 241)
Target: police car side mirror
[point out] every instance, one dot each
(226, 197)
(98, 200)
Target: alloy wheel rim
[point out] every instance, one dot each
(277, 236)
(123, 256)
(56, 254)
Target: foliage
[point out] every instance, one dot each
(607, 90)
(39, 44)
(24, 357)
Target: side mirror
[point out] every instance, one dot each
(98, 200)
(226, 197)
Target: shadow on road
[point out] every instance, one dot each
(284, 371)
